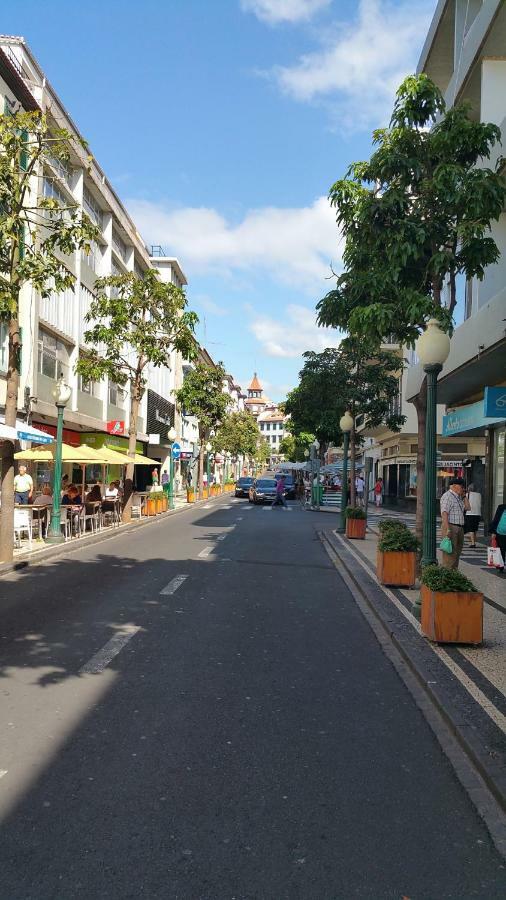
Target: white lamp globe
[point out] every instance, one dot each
(306, 453)
(61, 392)
(172, 434)
(433, 346)
(346, 422)
(209, 447)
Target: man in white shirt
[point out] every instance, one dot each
(359, 489)
(453, 509)
(23, 486)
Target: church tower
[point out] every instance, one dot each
(255, 402)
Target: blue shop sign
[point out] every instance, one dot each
(495, 402)
(475, 415)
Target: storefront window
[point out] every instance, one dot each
(498, 488)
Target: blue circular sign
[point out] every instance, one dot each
(176, 450)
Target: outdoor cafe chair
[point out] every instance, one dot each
(23, 523)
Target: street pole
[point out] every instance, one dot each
(344, 483)
(171, 480)
(61, 394)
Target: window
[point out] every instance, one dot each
(4, 346)
(268, 426)
(452, 448)
(91, 388)
(63, 168)
(118, 245)
(50, 189)
(117, 395)
(91, 208)
(468, 310)
(52, 356)
(93, 259)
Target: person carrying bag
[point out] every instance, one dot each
(497, 529)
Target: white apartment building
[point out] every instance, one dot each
(465, 54)
(53, 328)
(270, 421)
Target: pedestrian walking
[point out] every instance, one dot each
(359, 490)
(280, 492)
(23, 486)
(453, 510)
(473, 514)
(378, 492)
(498, 529)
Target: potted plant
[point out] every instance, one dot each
(396, 555)
(155, 502)
(356, 522)
(452, 608)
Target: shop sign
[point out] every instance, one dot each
(160, 417)
(467, 418)
(116, 426)
(97, 439)
(495, 402)
(186, 454)
(69, 437)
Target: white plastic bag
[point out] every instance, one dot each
(494, 557)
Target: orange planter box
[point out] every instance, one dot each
(355, 528)
(396, 567)
(151, 507)
(453, 617)
(190, 496)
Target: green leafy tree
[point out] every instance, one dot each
(415, 218)
(201, 395)
(237, 434)
(359, 376)
(136, 323)
(262, 453)
(292, 446)
(35, 232)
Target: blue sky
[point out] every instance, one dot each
(222, 124)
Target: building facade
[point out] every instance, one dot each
(465, 54)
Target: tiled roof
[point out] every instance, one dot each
(255, 384)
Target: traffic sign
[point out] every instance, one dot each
(176, 450)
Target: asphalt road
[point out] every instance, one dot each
(241, 735)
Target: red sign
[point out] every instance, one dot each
(115, 426)
(69, 437)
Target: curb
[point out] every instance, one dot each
(479, 739)
(27, 560)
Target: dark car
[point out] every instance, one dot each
(242, 486)
(263, 490)
(289, 485)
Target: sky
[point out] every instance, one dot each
(222, 125)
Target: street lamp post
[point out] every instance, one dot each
(316, 475)
(61, 394)
(172, 437)
(345, 424)
(209, 447)
(432, 348)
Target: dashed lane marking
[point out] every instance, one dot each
(103, 657)
(205, 552)
(173, 585)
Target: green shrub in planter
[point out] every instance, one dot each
(156, 495)
(437, 578)
(398, 539)
(354, 512)
(387, 524)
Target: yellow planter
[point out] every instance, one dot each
(190, 495)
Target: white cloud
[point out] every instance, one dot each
(295, 246)
(361, 64)
(209, 305)
(275, 11)
(292, 332)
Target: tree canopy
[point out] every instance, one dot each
(202, 395)
(237, 434)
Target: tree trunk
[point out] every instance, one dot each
(201, 469)
(132, 442)
(353, 457)
(420, 404)
(11, 408)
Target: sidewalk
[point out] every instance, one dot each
(467, 684)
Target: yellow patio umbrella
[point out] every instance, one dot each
(81, 455)
(122, 459)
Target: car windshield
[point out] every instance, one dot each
(245, 481)
(266, 483)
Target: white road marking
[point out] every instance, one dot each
(205, 552)
(221, 537)
(207, 506)
(103, 657)
(173, 585)
(3, 772)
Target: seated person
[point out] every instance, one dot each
(72, 497)
(112, 492)
(95, 495)
(44, 499)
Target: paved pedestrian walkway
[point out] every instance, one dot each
(483, 668)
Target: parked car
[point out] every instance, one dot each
(289, 485)
(263, 490)
(243, 485)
